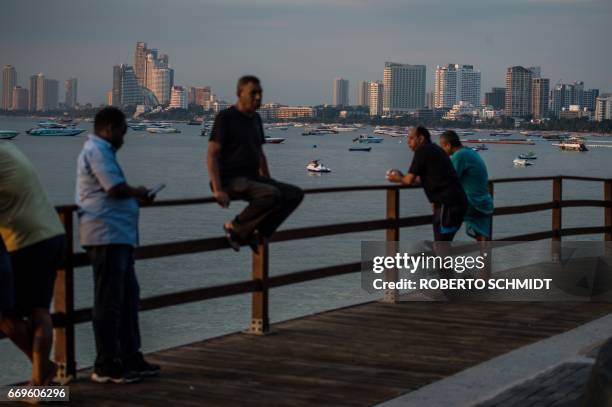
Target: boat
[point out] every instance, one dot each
(529, 156)
(465, 132)
(390, 131)
(555, 137)
(365, 138)
(344, 128)
(162, 130)
(500, 133)
(480, 147)
(359, 148)
(137, 126)
(56, 131)
(317, 166)
(274, 140)
(8, 134)
(572, 146)
(319, 131)
(194, 122)
(519, 162)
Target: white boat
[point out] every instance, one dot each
(572, 146)
(520, 162)
(8, 134)
(365, 138)
(344, 128)
(163, 130)
(56, 131)
(529, 156)
(317, 166)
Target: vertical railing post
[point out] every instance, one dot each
(608, 210)
(557, 218)
(63, 304)
(392, 236)
(260, 320)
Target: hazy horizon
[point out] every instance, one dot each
(298, 47)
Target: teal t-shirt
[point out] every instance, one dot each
(472, 173)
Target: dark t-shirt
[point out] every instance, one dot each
(438, 177)
(241, 137)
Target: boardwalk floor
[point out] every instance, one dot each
(356, 356)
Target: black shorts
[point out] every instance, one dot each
(7, 288)
(34, 270)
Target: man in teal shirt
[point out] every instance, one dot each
(472, 173)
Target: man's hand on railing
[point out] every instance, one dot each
(222, 198)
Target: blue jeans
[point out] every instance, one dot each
(116, 300)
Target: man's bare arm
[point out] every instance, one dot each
(212, 161)
(264, 171)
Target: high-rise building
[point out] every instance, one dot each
(162, 84)
(539, 97)
(190, 95)
(20, 98)
(376, 98)
(340, 92)
(9, 81)
(564, 95)
(404, 88)
(603, 108)
(40, 92)
(578, 97)
(363, 93)
(518, 92)
(590, 98)
(126, 90)
(178, 98)
(33, 97)
(71, 93)
(109, 99)
(50, 94)
(496, 98)
(455, 83)
(140, 62)
(202, 95)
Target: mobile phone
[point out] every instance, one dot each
(155, 191)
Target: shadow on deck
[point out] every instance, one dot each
(359, 355)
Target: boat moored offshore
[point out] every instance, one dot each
(8, 134)
(56, 131)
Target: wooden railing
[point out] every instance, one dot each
(66, 317)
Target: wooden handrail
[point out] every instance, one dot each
(66, 316)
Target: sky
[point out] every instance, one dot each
(297, 47)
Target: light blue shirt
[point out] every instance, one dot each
(103, 220)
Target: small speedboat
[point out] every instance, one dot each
(317, 166)
(137, 126)
(480, 147)
(8, 134)
(274, 140)
(359, 148)
(365, 138)
(520, 162)
(529, 156)
(164, 130)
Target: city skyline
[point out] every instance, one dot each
(276, 41)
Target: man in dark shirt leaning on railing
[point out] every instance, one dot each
(432, 167)
(238, 169)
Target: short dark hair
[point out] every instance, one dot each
(422, 131)
(244, 80)
(108, 116)
(451, 138)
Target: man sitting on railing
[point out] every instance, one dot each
(439, 180)
(108, 229)
(34, 238)
(238, 169)
(472, 173)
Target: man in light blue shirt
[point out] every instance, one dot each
(108, 229)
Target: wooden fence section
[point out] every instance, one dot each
(65, 316)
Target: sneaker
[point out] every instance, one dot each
(138, 365)
(114, 373)
(232, 239)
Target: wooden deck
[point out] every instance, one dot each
(359, 355)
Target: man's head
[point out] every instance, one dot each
(110, 125)
(249, 93)
(450, 142)
(417, 137)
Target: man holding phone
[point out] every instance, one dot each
(108, 228)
